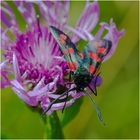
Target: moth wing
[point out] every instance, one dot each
(67, 47)
(94, 54)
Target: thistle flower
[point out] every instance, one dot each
(34, 59)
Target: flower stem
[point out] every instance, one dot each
(53, 128)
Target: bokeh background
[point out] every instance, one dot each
(118, 97)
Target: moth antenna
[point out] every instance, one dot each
(57, 99)
(97, 108)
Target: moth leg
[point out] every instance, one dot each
(67, 93)
(65, 103)
(50, 105)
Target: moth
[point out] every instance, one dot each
(83, 66)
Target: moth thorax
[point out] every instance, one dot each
(82, 78)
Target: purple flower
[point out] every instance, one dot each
(34, 59)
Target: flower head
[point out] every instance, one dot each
(34, 58)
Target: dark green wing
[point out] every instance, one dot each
(71, 54)
(94, 54)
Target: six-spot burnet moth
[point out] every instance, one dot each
(83, 66)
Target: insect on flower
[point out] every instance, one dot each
(83, 66)
(33, 63)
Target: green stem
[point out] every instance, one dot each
(53, 128)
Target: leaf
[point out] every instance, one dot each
(53, 129)
(71, 112)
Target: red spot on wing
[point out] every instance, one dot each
(91, 69)
(62, 41)
(62, 36)
(101, 50)
(72, 66)
(94, 56)
(81, 55)
(66, 51)
(71, 50)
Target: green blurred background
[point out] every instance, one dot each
(118, 97)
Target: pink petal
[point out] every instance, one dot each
(89, 17)
(59, 106)
(18, 86)
(28, 100)
(55, 14)
(87, 21)
(9, 22)
(5, 82)
(113, 35)
(44, 90)
(16, 68)
(3, 64)
(27, 10)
